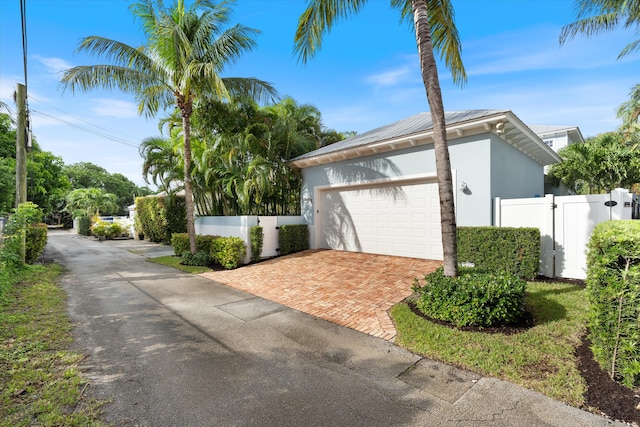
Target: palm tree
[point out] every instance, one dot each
(597, 16)
(434, 30)
(187, 49)
(90, 201)
(629, 112)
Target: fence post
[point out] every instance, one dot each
(497, 214)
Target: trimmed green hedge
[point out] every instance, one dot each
(180, 243)
(229, 252)
(514, 250)
(293, 238)
(613, 290)
(84, 225)
(474, 298)
(256, 237)
(160, 217)
(36, 240)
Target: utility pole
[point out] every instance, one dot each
(21, 145)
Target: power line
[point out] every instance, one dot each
(103, 134)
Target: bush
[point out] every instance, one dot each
(109, 230)
(229, 252)
(36, 240)
(293, 238)
(180, 243)
(256, 237)
(515, 250)
(160, 217)
(613, 290)
(84, 225)
(12, 251)
(474, 298)
(200, 259)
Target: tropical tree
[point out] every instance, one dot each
(186, 51)
(90, 201)
(598, 16)
(435, 30)
(629, 112)
(598, 165)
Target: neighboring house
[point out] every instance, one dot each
(377, 192)
(557, 137)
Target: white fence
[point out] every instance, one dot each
(565, 224)
(238, 226)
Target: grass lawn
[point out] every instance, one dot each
(540, 358)
(39, 380)
(174, 261)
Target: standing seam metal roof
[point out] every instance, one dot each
(415, 124)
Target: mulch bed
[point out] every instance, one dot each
(610, 398)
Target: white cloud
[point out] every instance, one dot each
(114, 108)
(53, 65)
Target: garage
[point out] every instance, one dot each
(388, 219)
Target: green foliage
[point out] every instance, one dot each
(159, 217)
(293, 238)
(12, 252)
(89, 175)
(229, 252)
(90, 201)
(200, 259)
(514, 250)
(84, 225)
(599, 165)
(180, 243)
(613, 290)
(256, 237)
(36, 240)
(109, 230)
(473, 298)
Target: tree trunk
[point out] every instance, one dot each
(443, 164)
(188, 193)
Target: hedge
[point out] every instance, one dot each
(613, 290)
(180, 243)
(514, 250)
(293, 238)
(84, 225)
(36, 240)
(229, 252)
(160, 217)
(256, 237)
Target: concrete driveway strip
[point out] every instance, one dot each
(172, 349)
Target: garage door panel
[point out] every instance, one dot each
(401, 220)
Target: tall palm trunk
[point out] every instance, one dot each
(443, 164)
(188, 192)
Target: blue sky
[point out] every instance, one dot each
(365, 76)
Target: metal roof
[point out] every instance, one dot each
(418, 130)
(572, 131)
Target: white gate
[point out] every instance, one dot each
(565, 224)
(269, 226)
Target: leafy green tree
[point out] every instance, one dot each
(598, 165)
(598, 16)
(47, 184)
(186, 51)
(89, 175)
(629, 112)
(435, 30)
(91, 201)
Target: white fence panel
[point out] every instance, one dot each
(532, 212)
(565, 224)
(238, 226)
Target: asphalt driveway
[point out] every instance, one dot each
(173, 349)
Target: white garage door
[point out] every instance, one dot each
(402, 220)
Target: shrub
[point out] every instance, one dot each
(12, 251)
(613, 290)
(36, 240)
(180, 243)
(474, 298)
(515, 250)
(84, 225)
(200, 258)
(109, 230)
(229, 252)
(293, 238)
(160, 217)
(256, 237)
